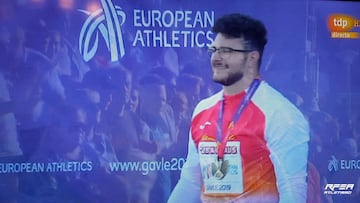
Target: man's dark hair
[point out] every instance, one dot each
(237, 25)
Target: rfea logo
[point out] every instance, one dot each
(342, 26)
(338, 189)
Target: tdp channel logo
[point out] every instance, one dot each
(338, 189)
(342, 26)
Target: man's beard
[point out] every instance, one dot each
(230, 80)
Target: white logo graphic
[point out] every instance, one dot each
(106, 22)
(333, 164)
(338, 189)
(202, 127)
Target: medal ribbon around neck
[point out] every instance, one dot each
(245, 101)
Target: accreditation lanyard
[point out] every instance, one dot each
(245, 101)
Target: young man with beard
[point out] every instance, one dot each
(247, 143)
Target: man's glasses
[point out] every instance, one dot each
(225, 52)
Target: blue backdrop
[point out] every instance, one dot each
(96, 96)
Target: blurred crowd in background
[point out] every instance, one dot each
(55, 107)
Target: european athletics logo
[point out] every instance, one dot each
(343, 164)
(106, 21)
(333, 164)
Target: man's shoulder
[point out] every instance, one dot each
(212, 98)
(273, 101)
(268, 90)
(208, 102)
(281, 115)
(271, 97)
